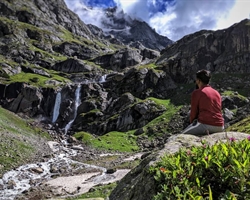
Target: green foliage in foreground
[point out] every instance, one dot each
(221, 171)
(112, 141)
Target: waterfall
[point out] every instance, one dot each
(77, 103)
(103, 79)
(56, 107)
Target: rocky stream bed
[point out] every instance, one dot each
(69, 169)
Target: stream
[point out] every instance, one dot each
(18, 180)
(77, 177)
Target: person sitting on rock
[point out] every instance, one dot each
(205, 115)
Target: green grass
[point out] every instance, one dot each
(148, 66)
(112, 141)
(159, 124)
(15, 148)
(231, 93)
(36, 79)
(241, 126)
(46, 55)
(102, 191)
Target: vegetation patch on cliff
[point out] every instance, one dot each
(241, 126)
(160, 124)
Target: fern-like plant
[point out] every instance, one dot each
(214, 172)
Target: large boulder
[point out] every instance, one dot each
(27, 101)
(139, 184)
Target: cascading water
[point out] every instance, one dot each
(23, 176)
(77, 103)
(103, 79)
(57, 107)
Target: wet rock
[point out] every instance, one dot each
(11, 184)
(77, 148)
(38, 170)
(139, 131)
(54, 169)
(111, 171)
(71, 139)
(228, 115)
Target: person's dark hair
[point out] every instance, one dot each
(204, 76)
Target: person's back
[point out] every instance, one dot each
(209, 106)
(205, 115)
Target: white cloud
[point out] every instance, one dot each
(178, 17)
(88, 16)
(187, 17)
(240, 11)
(135, 8)
(183, 17)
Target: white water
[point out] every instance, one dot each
(23, 175)
(77, 103)
(57, 107)
(103, 79)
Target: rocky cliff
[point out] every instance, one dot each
(57, 69)
(46, 49)
(222, 51)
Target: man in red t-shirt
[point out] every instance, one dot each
(205, 115)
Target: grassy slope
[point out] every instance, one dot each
(18, 140)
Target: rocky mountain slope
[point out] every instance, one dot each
(43, 54)
(132, 31)
(73, 79)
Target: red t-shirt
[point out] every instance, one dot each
(206, 106)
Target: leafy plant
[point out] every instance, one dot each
(220, 171)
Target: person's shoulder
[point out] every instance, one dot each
(214, 90)
(196, 91)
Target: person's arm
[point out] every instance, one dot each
(194, 106)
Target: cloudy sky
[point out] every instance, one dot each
(171, 18)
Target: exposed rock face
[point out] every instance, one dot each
(56, 12)
(225, 51)
(28, 99)
(72, 66)
(140, 185)
(124, 58)
(42, 26)
(53, 51)
(142, 83)
(116, 81)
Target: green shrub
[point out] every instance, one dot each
(220, 171)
